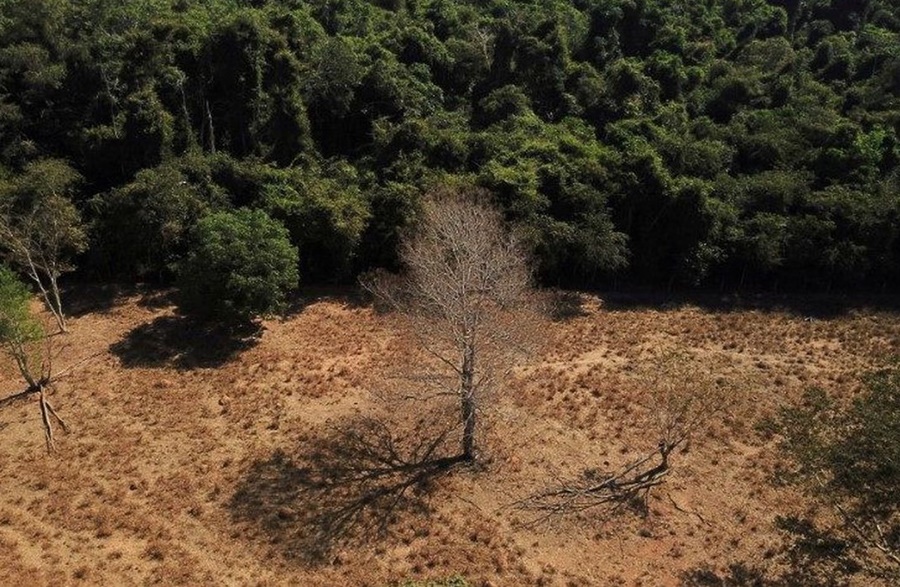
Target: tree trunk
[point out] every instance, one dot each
(212, 130)
(35, 275)
(468, 404)
(57, 307)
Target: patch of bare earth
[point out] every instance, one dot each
(197, 460)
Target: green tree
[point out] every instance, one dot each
(41, 229)
(241, 265)
(553, 179)
(253, 93)
(18, 328)
(142, 228)
(749, 94)
(325, 214)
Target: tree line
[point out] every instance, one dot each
(745, 143)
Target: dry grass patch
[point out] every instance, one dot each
(143, 489)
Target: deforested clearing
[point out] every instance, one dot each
(195, 459)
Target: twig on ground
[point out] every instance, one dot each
(684, 511)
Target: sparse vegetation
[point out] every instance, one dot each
(199, 443)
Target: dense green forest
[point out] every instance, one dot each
(732, 143)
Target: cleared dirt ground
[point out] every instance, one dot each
(194, 459)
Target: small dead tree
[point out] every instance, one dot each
(595, 489)
(467, 296)
(23, 339)
(681, 400)
(41, 230)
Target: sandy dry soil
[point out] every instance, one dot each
(193, 459)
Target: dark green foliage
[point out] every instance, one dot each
(145, 223)
(254, 91)
(17, 326)
(240, 265)
(325, 215)
(749, 143)
(553, 180)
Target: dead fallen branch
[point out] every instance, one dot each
(686, 511)
(49, 415)
(611, 491)
(40, 387)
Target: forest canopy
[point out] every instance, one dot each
(735, 143)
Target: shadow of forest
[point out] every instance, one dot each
(809, 306)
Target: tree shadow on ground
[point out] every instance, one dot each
(158, 299)
(91, 298)
(564, 305)
(808, 555)
(343, 489)
(178, 341)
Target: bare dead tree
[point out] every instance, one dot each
(41, 386)
(39, 381)
(467, 297)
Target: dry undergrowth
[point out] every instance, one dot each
(167, 433)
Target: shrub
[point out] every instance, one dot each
(241, 265)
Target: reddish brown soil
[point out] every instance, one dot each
(184, 456)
